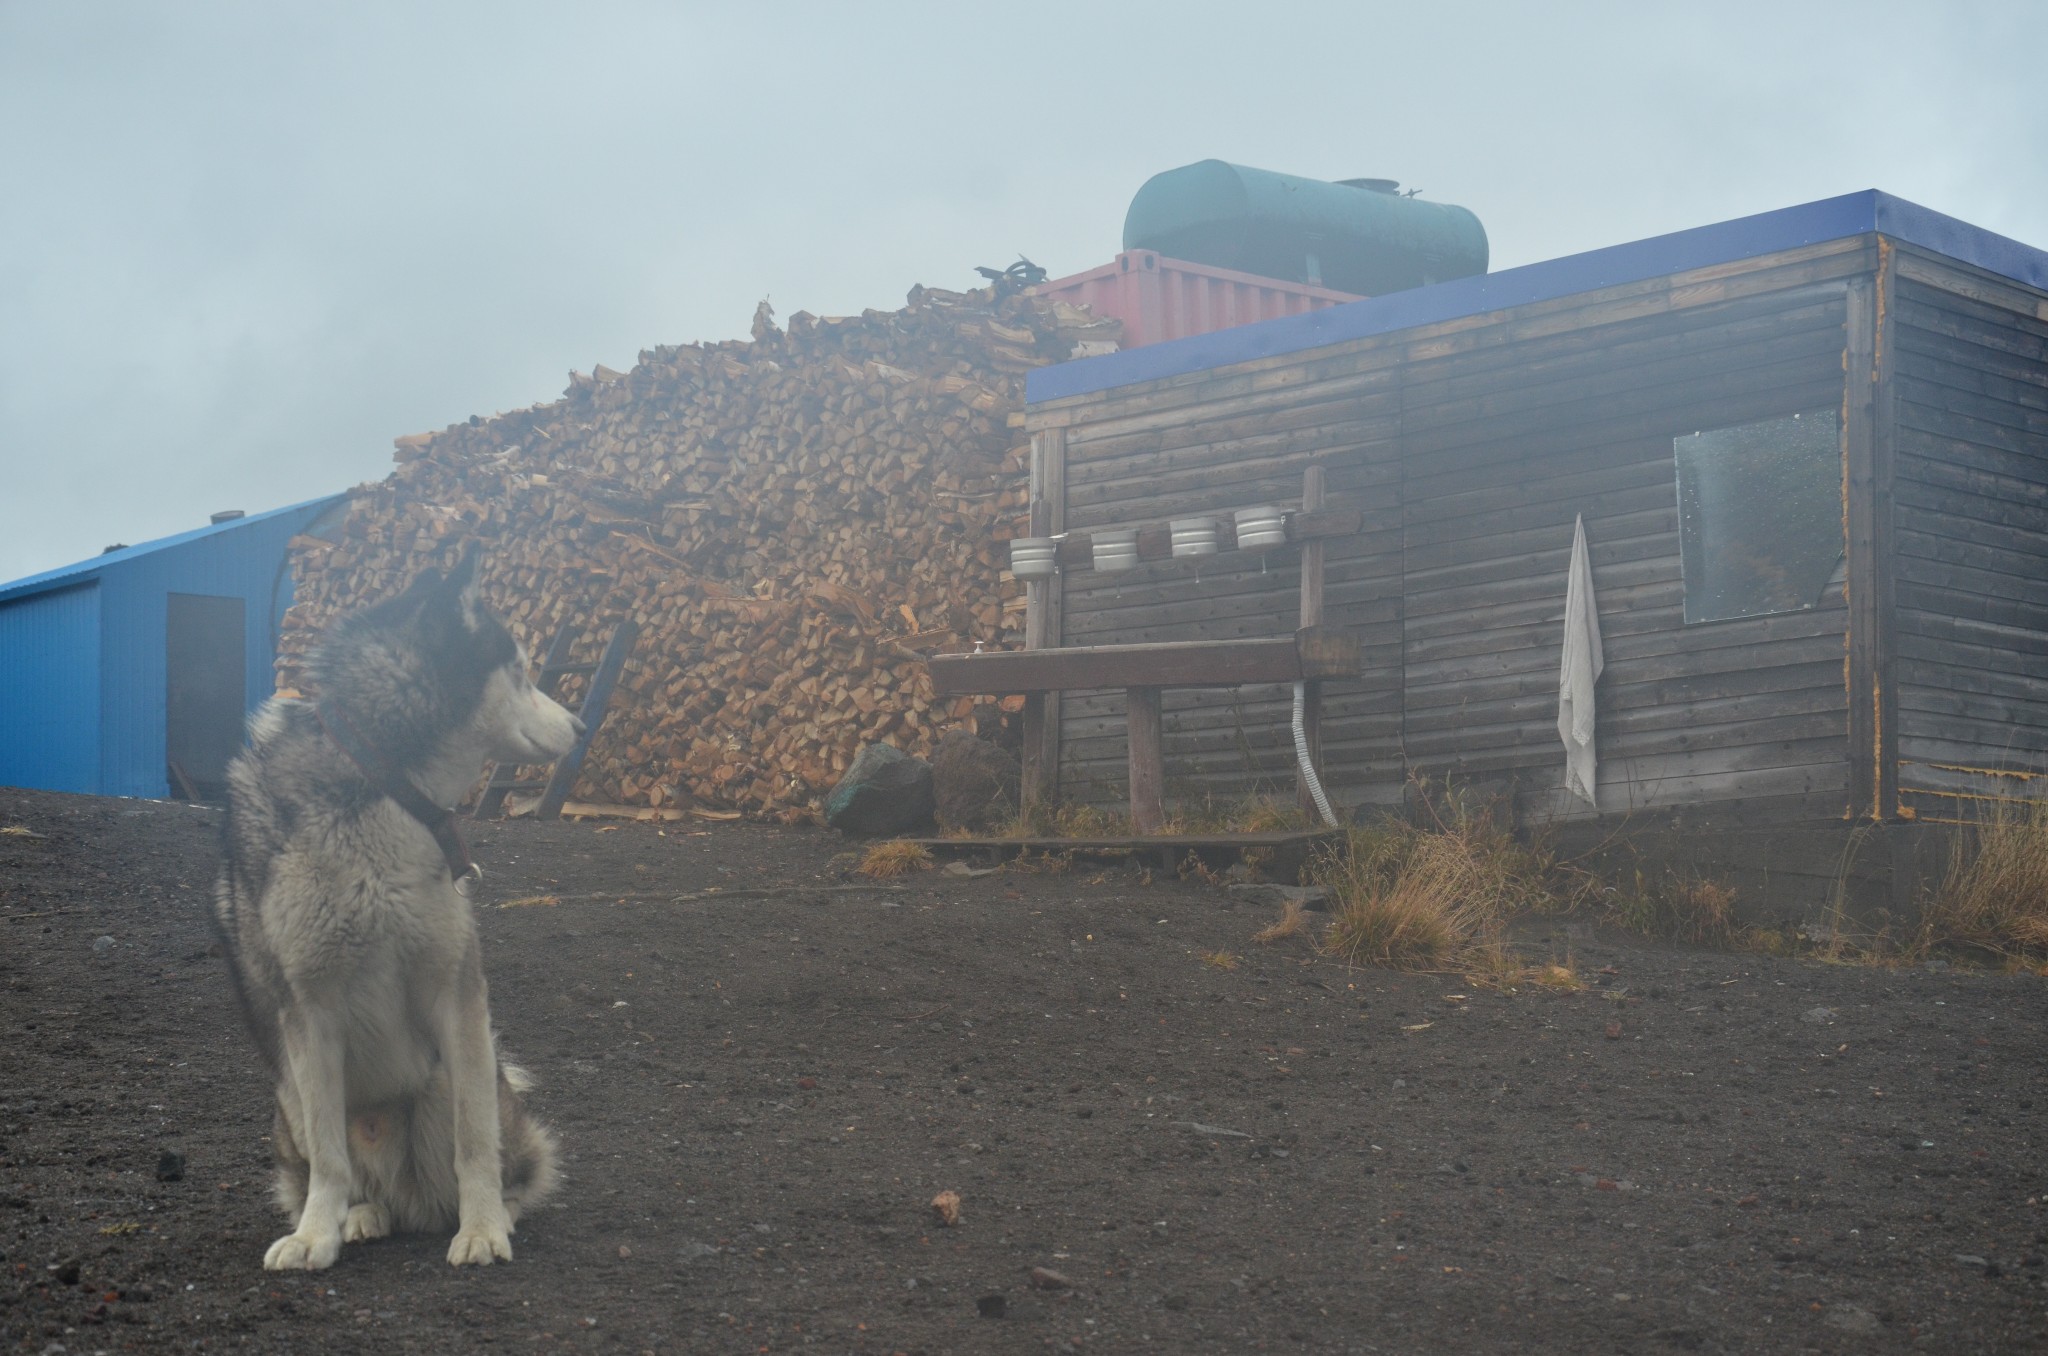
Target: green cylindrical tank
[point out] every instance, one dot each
(1357, 235)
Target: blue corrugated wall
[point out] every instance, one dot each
(246, 563)
(105, 732)
(50, 690)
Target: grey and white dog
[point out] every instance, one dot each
(351, 943)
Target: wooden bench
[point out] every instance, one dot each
(1143, 671)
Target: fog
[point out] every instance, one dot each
(243, 246)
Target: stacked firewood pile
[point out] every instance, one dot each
(792, 521)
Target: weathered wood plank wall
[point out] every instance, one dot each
(1469, 446)
(1503, 449)
(1971, 517)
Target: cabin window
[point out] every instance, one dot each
(1759, 515)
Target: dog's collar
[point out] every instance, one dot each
(380, 772)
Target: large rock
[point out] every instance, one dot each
(885, 791)
(975, 785)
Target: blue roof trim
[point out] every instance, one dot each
(67, 575)
(1959, 240)
(1701, 247)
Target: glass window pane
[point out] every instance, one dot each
(1759, 515)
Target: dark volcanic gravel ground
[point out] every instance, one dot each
(758, 1096)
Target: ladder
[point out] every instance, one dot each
(604, 676)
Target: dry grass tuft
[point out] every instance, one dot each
(1995, 895)
(1047, 863)
(1251, 814)
(1293, 918)
(1702, 910)
(1267, 816)
(1677, 907)
(1435, 898)
(1247, 814)
(1499, 968)
(1219, 960)
(1042, 819)
(894, 858)
(1409, 902)
(1563, 978)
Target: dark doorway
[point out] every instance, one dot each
(206, 674)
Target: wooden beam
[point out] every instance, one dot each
(1312, 489)
(1860, 519)
(1034, 762)
(1329, 652)
(1884, 462)
(1322, 652)
(1044, 610)
(1054, 496)
(1148, 759)
(1921, 266)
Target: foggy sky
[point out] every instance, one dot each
(243, 246)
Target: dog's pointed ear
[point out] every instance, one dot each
(463, 585)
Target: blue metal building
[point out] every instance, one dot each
(122, 674)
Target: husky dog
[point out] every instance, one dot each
(350, 939)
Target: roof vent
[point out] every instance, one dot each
(117, 546)
(225, 516)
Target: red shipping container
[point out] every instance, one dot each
(1159, 298)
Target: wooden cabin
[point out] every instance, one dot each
(1810, 451)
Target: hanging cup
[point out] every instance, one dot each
(1194, 536)
(1115, 549)
(1261, 528)
(1034, 557)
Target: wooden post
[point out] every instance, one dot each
(1884, 457)
(1311, 615)
(1867, 519)
(1148, 759)
(1033, 761)
(1043, 606)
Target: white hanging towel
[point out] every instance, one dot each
(1581, 669)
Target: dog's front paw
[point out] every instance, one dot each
(479, 1245)
(297, 1252)
(365, 1222)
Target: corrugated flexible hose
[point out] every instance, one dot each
(1308, 768)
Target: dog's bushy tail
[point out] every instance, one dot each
(528, 1153)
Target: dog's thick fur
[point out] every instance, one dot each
(352, 951)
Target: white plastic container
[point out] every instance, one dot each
(1261, 528)
(1194, 537)
(1034, 557)
(1115, 549)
